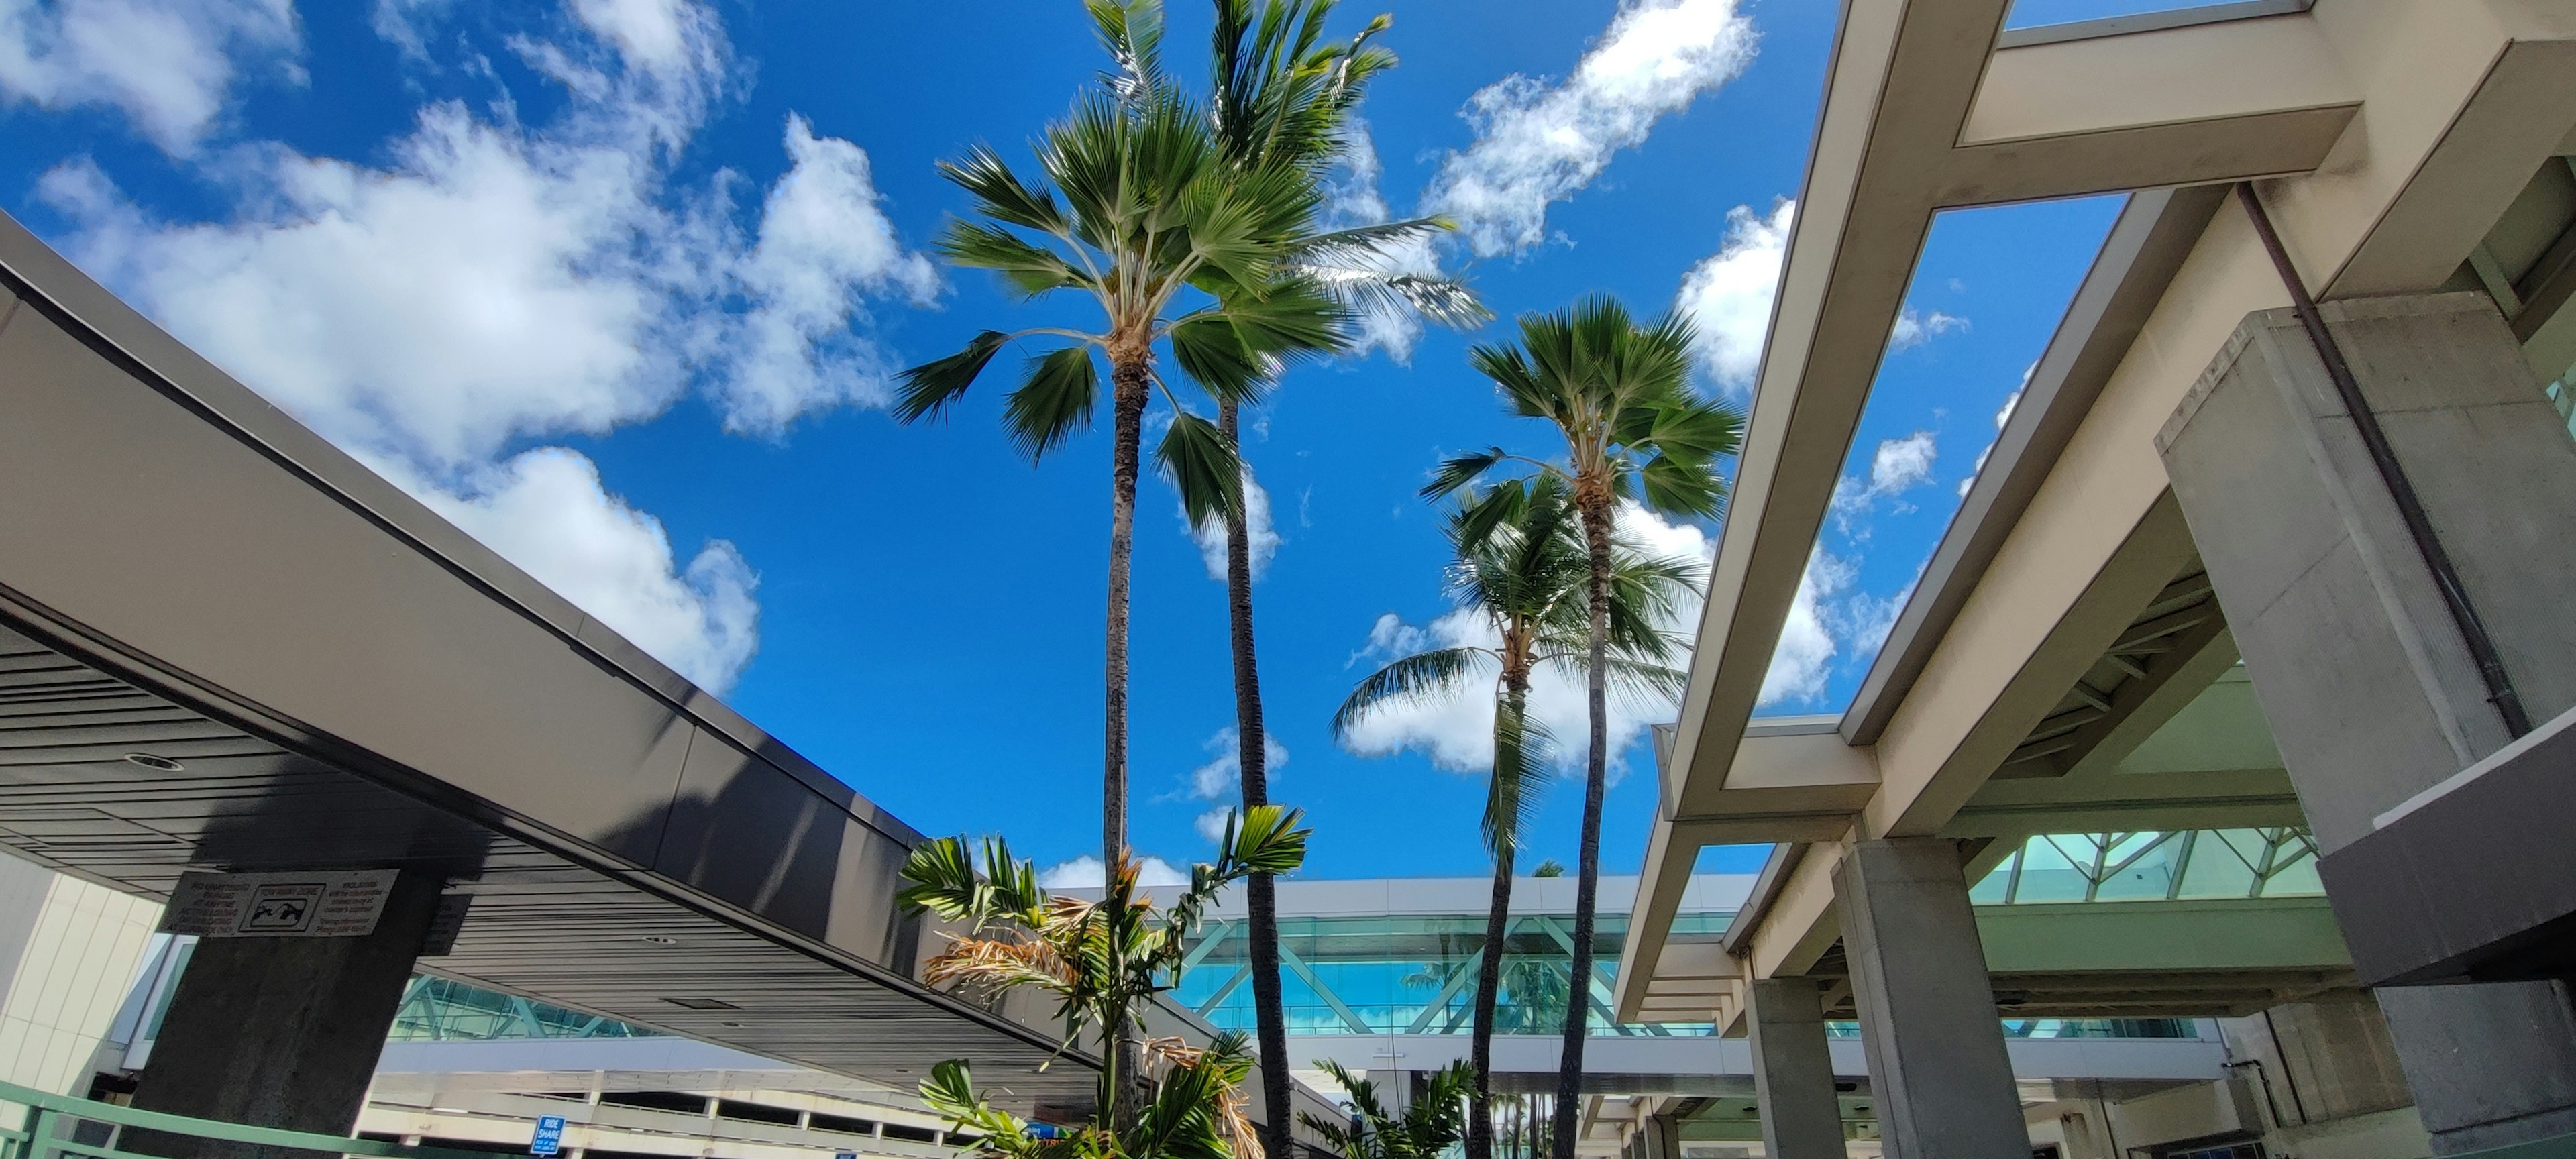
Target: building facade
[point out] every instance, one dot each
(2274, 542)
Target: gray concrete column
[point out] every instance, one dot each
(1793, 1072)
(2358, 664)
(284, 1032)
(1938, 1072)
(1660, 1137)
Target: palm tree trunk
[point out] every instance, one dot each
(1489, 970)
(1128, 377)
(1595, 501)
(1270, 1017)
(1489, 978)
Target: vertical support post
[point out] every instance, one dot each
(1793, 1070)
(2372, 689)
(1939, 1074)
(284, 1032)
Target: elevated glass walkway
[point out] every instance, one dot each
(1414, 973)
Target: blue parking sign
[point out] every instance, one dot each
(549, 1138)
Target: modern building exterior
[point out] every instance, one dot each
(1373, 985)
(236, 662)
(2237, 564)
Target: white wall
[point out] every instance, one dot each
(68, 953)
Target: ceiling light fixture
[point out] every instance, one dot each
(702, 1003)
(659, 940)
(158, 764)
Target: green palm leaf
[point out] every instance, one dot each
(1055, 401)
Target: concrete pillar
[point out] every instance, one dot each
(1659, 1137)
(284, 1032)
(1793, 1072)
(2358, 664)
(1938, 1072)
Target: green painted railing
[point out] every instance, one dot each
(53, 1129)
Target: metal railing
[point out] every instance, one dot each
(62, 1127)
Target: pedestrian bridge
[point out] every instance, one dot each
(225, 644)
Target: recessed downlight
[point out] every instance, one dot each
(659, 940)
(702, 1003)
(159, 764)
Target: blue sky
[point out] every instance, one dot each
(617, 285)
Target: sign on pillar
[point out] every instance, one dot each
(327, 904)
(549, 1137)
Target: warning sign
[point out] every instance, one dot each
(327, 904)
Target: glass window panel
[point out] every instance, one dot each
(1990, 890)
(2218, 866)
(2048, 875)
(2149, 873)
(2297, 879)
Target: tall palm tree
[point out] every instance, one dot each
(1528, 571)
(1618, 392)
(1283, 97)
(1182, 249)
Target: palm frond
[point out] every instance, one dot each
(1054, 401)
(1211, 351)
(1363, 243)
(1683, 487)
(1445, 301)
(944, 881)
(994, 965)
(1408, 680)
(1000, 194)
(1458, 471)
(1201, 464)
(1027, 268)
(928, 388)
(1132, 31)
(1268, 841)
(1523, 751)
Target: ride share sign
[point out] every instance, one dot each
(324, 904)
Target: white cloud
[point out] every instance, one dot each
(2003, 415)
(401, 22)
(662, 36)
(1804, 656)
(1087, 872)
(1727, 296)
(547, 511)
(1899, 465)
(1221, 779)
(1827, 618)
(1260, 538)
(824, 245)
(1456, 732)
(491, 286)
(1913, 328)
(1539, 142)
(496, 281)
(168, 65)
(1351, 198)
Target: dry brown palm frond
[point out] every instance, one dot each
(1234, 1121)
(1173, 1050)
(1064, 915)
(994, 964)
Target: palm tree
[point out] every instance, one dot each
(1102, 960)
(1618, 392)
(1282, 99)
(1182, 249)
(1424, 1131)
(1528, 573)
